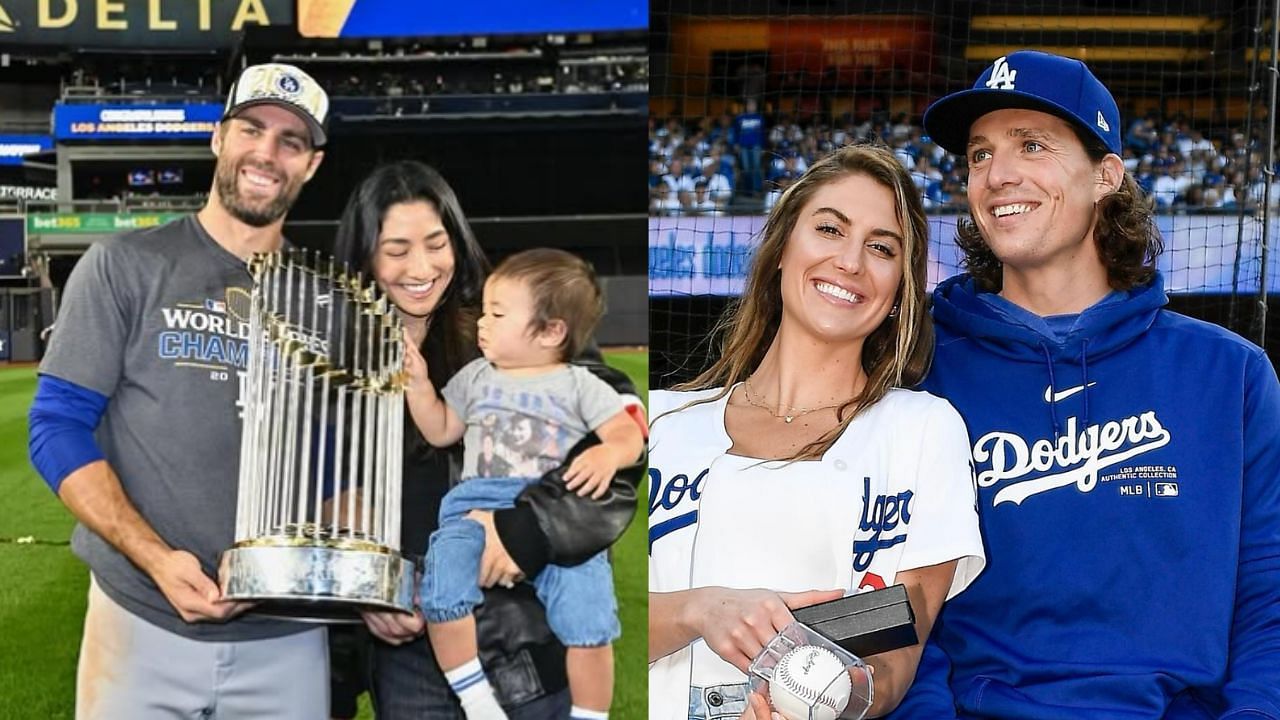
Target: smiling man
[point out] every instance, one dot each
(1126, 457)
(135, 427)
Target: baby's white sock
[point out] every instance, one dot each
(473, 689)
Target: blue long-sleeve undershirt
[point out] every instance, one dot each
(62, 419)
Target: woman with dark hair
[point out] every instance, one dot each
(404, 227)
(798, 461)
(434, 279)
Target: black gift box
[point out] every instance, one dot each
(867, 623)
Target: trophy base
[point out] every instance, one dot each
(316, 583)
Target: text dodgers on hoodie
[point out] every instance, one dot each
(1131, 573)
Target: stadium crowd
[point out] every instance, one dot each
(741, 164)
(401, 79)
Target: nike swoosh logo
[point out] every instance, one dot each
(1052, 397)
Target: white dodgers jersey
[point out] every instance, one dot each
(894, 493)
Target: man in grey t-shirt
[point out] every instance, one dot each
(135, 425)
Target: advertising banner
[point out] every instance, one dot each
(28, 192)
(396, 18)
(14, 147)
(711, 255)
(837, 48)
(192, 121)
(90, 223)
(136, 24)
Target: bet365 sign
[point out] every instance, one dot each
(136, 23)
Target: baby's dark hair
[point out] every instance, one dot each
(564, 288)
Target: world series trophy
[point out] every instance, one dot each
(318, 513)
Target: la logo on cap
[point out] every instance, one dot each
(1001, 76)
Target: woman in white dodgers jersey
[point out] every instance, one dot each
(797, 462)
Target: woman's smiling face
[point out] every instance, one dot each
(414, 262)
(842, 264)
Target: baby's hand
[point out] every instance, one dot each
(415, 366)
(589, 473)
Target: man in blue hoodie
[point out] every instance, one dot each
(1127, 458)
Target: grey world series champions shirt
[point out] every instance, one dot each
(145, 321)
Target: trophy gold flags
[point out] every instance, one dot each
(318, 512)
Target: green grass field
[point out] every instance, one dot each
(43, 586)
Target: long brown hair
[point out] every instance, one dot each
(896, 354)
(1124, 232)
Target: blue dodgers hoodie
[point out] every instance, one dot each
(1128, 479)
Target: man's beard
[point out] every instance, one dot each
(225, 178)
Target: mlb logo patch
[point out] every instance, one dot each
(1166, 489)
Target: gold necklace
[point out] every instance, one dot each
(786, 417)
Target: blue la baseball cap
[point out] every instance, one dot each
(1028, 80)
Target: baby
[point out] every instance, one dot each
(518, 410)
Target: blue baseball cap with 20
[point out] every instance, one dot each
(1028, 80)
